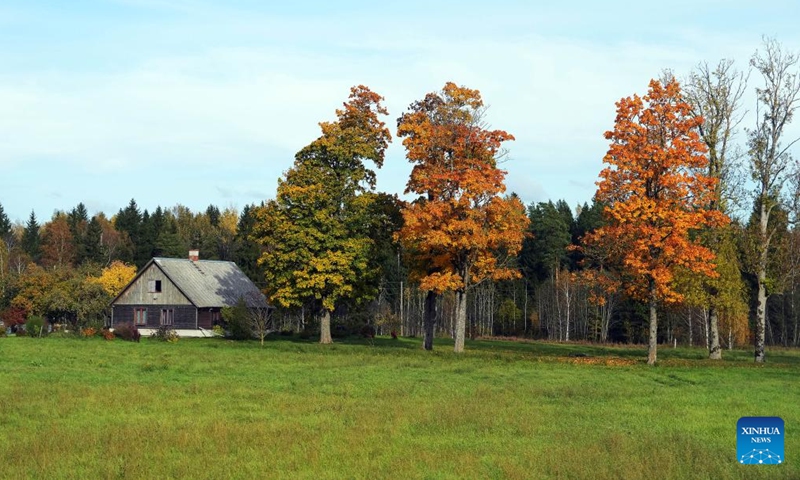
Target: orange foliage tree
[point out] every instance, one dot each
(460, 230)
(58, 248)
(656, 195)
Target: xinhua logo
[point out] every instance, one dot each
(759, 440)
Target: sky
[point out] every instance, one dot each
(199, 102)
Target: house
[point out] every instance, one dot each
(186, 294)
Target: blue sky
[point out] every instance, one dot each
(199, 102)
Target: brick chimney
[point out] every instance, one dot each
(194, 255)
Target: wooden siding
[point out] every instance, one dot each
(183, 316)
(137, 294)
(204, 318)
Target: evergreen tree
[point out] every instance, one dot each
(78, 219)
(545, 251)
(213, 214)
(169, 242)
(94, 251)
(129, 222)
(246, 251)
(146, 242)
(31, 243)
(5, 224)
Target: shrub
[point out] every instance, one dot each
(127, 331)
(218, 330)
(166, 333)
(13, 316)
(286, 333)
(88, 332)
(35, 326)
(238, 320)
(107, 334)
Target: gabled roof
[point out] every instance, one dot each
(208, 283)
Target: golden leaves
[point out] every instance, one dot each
(115, 277)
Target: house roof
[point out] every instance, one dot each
(211, 283)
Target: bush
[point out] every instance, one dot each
(107, 334)
(237, 318)
(13, 316)
(88, 332)
(218, 330)
(127, 331)
(35, 326)
(166, 333)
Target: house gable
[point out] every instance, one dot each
(143, 289)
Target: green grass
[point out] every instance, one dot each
(357, 409)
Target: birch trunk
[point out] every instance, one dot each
(714, 350)
(461, 320)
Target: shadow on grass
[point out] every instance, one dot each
(552, 350)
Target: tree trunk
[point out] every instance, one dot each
(761, 308)
(714, 350)
(325, 327)
(429, 319)
(653, 345)
(461, 319)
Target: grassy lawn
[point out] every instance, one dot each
(209, 408)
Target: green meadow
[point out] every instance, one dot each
(210, 408)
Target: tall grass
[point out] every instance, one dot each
(211, 408)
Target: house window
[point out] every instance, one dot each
(140, 316)
(167, 316)
(214, 317)
(154, 286)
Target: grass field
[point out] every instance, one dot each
(207, 408)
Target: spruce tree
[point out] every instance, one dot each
(31, 243)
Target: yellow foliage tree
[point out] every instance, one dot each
(115, 277)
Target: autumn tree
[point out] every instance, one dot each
(57, 243)
(770, 161)
(656, 192)
(115, 277)
(314, 232)
(715, 94)
(460, 229)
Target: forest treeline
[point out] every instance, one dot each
(691, 237)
